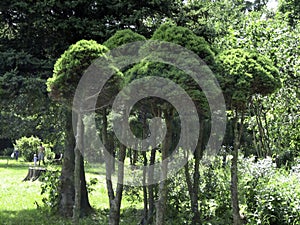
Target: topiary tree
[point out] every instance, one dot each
(122, 37)
(68, 70)
(185, 38)
(243, 74)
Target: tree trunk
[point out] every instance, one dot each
(151, 188)
(234, 171)
(145, 192)
(193, 186)
(114, 198)
(34, 173)
(163, 189)
(77, 183)
(67, 189)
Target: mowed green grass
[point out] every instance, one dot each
(21, 202)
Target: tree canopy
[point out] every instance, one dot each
(70, 67)
(245, 73)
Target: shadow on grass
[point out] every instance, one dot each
(6, 162)
(42, 217)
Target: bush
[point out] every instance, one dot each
(272, 195)
(28, 146)
(215, 192)
(50, 189)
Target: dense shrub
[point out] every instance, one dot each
(272, 195)
(28, 146)
(50, 189)
(215, 203)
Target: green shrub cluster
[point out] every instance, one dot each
(28, 146)
(272, 195)
(268, 195)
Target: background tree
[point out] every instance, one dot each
(67, 72)
(186, 38)
(33, 35)
(244, 74)
(120, 38)
(274, 38)
(291, 9)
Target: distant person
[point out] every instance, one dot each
(35, 159)
(16, 154)
(41, 155)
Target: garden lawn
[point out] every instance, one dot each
(21, 202)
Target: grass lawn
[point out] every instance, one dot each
(19, 200)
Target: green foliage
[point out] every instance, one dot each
(211, 19)
(215, 192)
(50, 188)
(291, 9)
(178, 203)
(186, 38)
(69, 68)
(273, 38)
(122, 37)
(33, 35)
(245, 73)
(28, 146)
(272, 195)
(91, 183)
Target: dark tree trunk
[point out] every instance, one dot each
(34, 173)
(145, 192)
(77, 182)
(115, 198)
(193, 186)
(234, 170)
(67, 188)
(163, 188)
(151, 189)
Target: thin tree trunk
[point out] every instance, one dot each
(163, 189)
(193, 186)
(145, 192)
(234, 171)
(77, 181)
(115, 202)
(145, 162)
(151, 188)
(115, 198)
(264, 137)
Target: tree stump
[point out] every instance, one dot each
(34, 173)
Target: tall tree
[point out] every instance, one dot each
(67, 72)
(274, 38)
(243, 75)
(291, 9)
(186, 38)
(120, 38)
